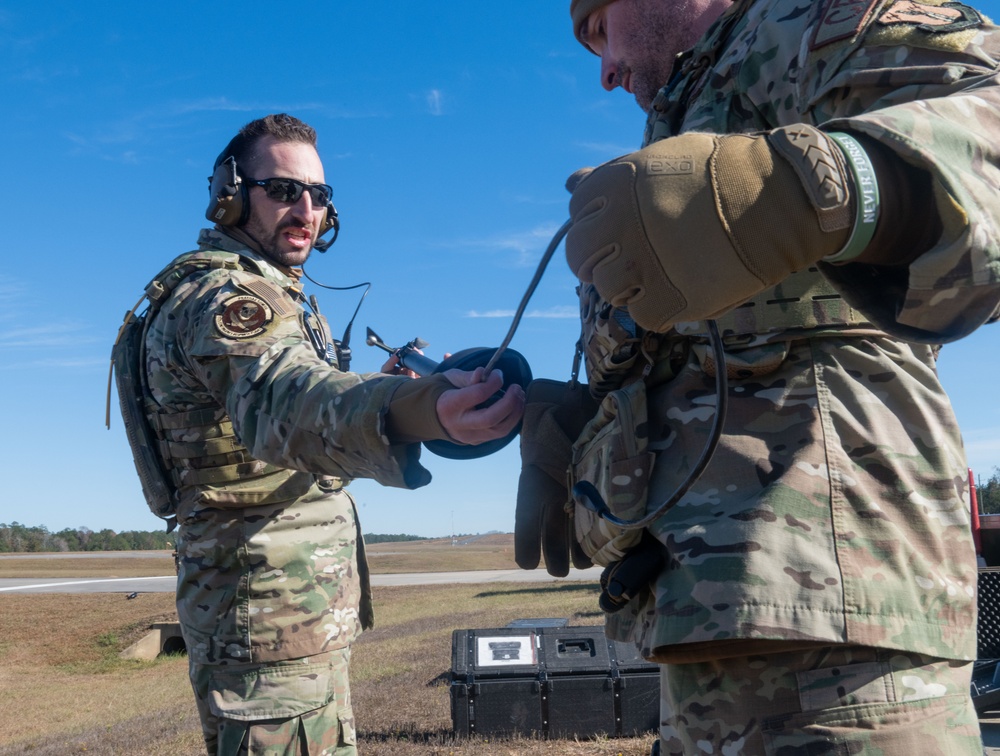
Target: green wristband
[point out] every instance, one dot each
(866, 197)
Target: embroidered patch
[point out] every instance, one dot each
(841, 19)
(243, 317)
(271, 293)
(934, 19)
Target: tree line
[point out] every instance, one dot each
(988, 493)
(16, 537)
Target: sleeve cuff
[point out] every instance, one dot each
(412, 415)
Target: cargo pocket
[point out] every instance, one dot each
(272, 709)
(329, 730)
(931, 726)
(611, 453)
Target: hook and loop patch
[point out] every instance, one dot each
(244, 316)
(932, 18)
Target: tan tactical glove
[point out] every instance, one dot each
(554, 414)
(693, 225)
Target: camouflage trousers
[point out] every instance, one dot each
(287, 708)
(831, 700)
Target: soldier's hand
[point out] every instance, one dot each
(693, 225)
(393, 366)
(554, 415)
(465, 421)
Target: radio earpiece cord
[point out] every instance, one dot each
(585, 492)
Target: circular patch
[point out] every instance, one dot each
(243, 317)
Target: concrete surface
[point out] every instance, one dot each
(168, 583)
(163, 637)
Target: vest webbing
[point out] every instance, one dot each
(803, 301)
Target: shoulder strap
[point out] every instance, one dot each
(181, 267)
(165, 282)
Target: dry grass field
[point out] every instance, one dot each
(489, 552)
(69, 566)
(63, 689)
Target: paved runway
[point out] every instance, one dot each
(167, 583)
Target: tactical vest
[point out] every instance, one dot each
(171, 449)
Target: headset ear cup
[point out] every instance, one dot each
(227, 204)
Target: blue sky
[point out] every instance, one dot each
(447, 130)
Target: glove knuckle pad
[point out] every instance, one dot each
(819, 165)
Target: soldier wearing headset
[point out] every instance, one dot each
(260, 430)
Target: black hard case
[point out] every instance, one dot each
(550, 682)
(986, 669)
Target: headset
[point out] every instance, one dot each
(229, 200)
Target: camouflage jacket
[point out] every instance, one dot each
(263, 432)
(835, 508)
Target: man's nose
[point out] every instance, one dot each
(609, 73)
(303, 207)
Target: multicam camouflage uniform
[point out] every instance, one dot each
(262, 432)
(834, 513)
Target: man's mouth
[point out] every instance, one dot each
(298, 237)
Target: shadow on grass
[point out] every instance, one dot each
(443, 679)
(443, 741)
(560, 588)
(437, 737)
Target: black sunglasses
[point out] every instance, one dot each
(290, 190)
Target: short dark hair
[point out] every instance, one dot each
(281, 126)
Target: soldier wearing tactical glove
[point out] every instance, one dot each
(820, 179)
(690, 226)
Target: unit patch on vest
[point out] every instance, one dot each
(243, 317)
(841, 19)
(934, 19)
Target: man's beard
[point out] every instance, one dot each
(645, 88)
(661, 39)
(270, 245)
